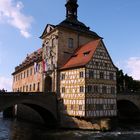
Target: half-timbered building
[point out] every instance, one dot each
(88, 82)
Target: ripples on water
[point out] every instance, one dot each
(14, 130)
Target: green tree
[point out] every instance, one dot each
(126, 83)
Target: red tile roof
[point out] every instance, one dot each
(82, 55)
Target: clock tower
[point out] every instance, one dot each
(71, 9)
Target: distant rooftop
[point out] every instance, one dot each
(36, 56)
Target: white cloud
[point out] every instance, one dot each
(5, 83)
(10, 12)
(133, 65)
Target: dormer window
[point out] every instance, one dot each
(86, 53)
(70, 42)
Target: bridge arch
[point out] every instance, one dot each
(127, 110)
(36, 105)
(44, 104)
(31, 112)
(46, 115)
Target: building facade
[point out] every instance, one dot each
(27, 77)
(60, 42)
(88, 82)
(77, 66)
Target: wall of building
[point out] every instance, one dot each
(61, 51)
(72, 89)
(28, 79)
(100, 85)
(63, 45)
(50, 57)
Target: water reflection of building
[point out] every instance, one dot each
(77, 66)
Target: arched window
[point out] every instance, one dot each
(27, 88)
(30, 87)
(70, 42)
(34, 86)
(38, 86)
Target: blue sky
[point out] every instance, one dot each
(23, 21)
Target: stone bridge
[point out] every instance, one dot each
(128, 105)
(45, 104)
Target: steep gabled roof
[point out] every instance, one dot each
(82, 55)
(48, 29)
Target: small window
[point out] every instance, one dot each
(101, 75)
(81, 74)
(27, 73)
(23, 88)
(91, 74)
(63, 89)
(96, 89)
(104, 89)
(30, 87)
(99, 107)
(14, 78)
(89, 88)
(80, 107)
(111, 76)
(106, 65)
(112, 90)
(31, 71)
(63, 76)
(81, 89)
(38, 86)
(26, 88)
(34, 87)
(70, 42)
(21, 75)
(72, 107)
(24, 74)
(86, 53)
(96, 63)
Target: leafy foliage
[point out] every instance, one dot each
(126, 83)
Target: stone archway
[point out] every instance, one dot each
(127, 110)
(31, 113)
(48, 84)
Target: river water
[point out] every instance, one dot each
(15, 130)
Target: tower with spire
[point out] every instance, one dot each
(71, 9)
